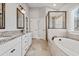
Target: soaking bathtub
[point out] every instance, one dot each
(64, 47)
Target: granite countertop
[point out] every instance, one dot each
(9, 38)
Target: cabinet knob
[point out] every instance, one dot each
(12, 50)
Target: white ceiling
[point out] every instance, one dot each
(57, 7)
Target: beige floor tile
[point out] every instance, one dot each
(39, 48)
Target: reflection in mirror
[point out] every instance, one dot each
(20, 19)
(2, 15)
(27, 24)
(57, 19)
(76, 20)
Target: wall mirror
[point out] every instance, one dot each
(27, 25)
(2, 16)
(20, 19)
(56, 19)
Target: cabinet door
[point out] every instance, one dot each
(23, 51)
(12, 48)
(7, 46)
(26, 42)
(13, 51)
(16, 50)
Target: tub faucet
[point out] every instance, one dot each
(54, 37)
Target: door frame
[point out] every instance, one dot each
(46, 27)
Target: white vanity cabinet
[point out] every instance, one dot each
(14, 51)
(26, 42)
(17, 46)
(11, 48)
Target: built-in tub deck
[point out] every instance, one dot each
(68, 46)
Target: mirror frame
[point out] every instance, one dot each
(49, 19)
(18, 27)
(3, 16)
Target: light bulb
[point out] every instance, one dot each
(23, 11)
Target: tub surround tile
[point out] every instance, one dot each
(56, 32)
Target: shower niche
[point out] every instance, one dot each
(57, 20)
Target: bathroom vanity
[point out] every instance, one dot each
(26, 43)
(16, 45)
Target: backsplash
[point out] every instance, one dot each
(56, 32)
(10, 33)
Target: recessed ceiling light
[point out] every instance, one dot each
(54, 4)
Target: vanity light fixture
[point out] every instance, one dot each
(22, 9)
(54, 4)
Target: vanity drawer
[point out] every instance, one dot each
(14, 51)
(8, 45)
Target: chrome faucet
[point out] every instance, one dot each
(54, 37)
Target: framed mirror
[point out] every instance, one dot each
(2, 15)
(20, 19)
(57, 20)
(27, 24)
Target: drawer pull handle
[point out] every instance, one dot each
(12, 50)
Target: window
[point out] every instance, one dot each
(76, 19)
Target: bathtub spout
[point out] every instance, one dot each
(54, 37)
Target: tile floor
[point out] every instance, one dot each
(39, 48)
